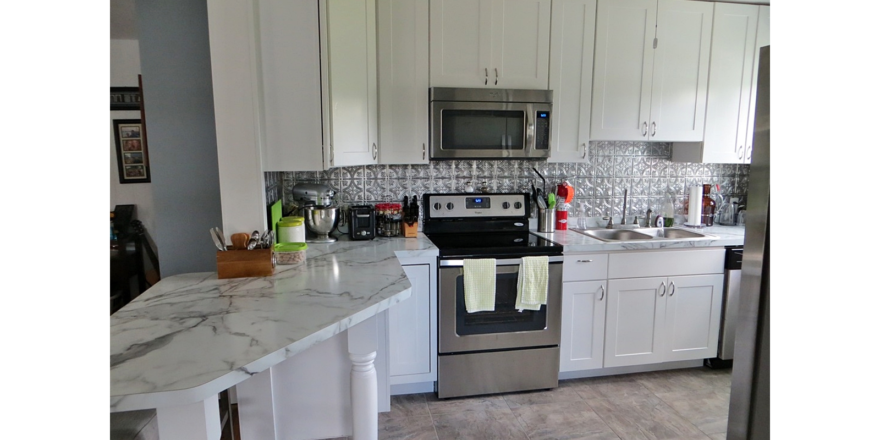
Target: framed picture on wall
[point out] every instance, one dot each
(132, 157)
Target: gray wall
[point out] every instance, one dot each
(179, 103)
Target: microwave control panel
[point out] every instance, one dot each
(542, 130)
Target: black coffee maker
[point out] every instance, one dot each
(362, 222)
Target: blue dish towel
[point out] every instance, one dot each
(531, 284)
(479, 285)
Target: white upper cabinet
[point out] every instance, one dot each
(350, 87)
(762, 39)
(571, 77)
(731, 77)
(403, 81)
(651, 70)
(490, 43)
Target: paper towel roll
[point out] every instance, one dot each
(695, 205)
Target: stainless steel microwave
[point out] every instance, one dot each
(490, 123)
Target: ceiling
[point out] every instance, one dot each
(123, 25)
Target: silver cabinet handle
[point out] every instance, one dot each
(671, 288)
(496, 76)
(653, 128)
(584, 156)
(739, 152)
(424, 151)
(486, 72)
(375, 151)
(602, 294)
(663, 284)
(644, 128)
(585, 261)
(749, 153)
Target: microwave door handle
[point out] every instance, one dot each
(530, 130)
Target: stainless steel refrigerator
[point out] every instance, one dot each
(749, 415)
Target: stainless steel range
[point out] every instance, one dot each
(506, 349)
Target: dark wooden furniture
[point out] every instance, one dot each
(127, 258)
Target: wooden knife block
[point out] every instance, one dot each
(240, 264)
(410, 231)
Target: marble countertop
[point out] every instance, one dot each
(193, 335)
(577, 242)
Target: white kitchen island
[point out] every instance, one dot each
(191, 336)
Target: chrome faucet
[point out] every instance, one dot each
(648, 218)
(623, 213)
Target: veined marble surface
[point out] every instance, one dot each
(193, 335)
(576, 242)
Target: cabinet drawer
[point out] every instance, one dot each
(585, 267)
(665, 263)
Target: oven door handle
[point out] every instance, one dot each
(505, 262)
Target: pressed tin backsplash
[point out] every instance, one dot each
(643, 168)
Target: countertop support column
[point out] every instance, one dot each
(195, 421)
(363, 342)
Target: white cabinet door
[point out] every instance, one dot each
(571, 77)
(290, 61)
(730, 80)
(403, 81)
(762, 39)
(351, 92)
(652, 320)
(583, 325)
(412, 330)
(651, 70)
(490, 43)
(634, 322)
(461, 42)
(693, 316)
(520, 44)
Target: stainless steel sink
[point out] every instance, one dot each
(643, 234)
(614, 234)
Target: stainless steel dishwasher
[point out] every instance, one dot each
(730, 309)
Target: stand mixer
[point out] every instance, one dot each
(314, 202)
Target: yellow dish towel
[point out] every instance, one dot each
(479, 285)
(531, 284)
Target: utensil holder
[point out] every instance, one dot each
(242, 263)
(546, 220)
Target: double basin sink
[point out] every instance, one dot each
(643, 234)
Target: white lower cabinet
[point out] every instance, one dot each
(412, 329)
(659, 319)
(640, 307)
(583, 325)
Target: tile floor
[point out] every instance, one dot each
(678, 404)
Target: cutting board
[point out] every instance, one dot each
(274, 214)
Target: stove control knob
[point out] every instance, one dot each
(517, 205)
(437, 206)
(449, 206)
(505, 205)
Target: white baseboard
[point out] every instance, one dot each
(412, 388)
(631, 369)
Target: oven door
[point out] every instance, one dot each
(505, 327)
(494, 130)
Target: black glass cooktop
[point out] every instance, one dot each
(493, 245)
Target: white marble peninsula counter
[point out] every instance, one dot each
(191, 336)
